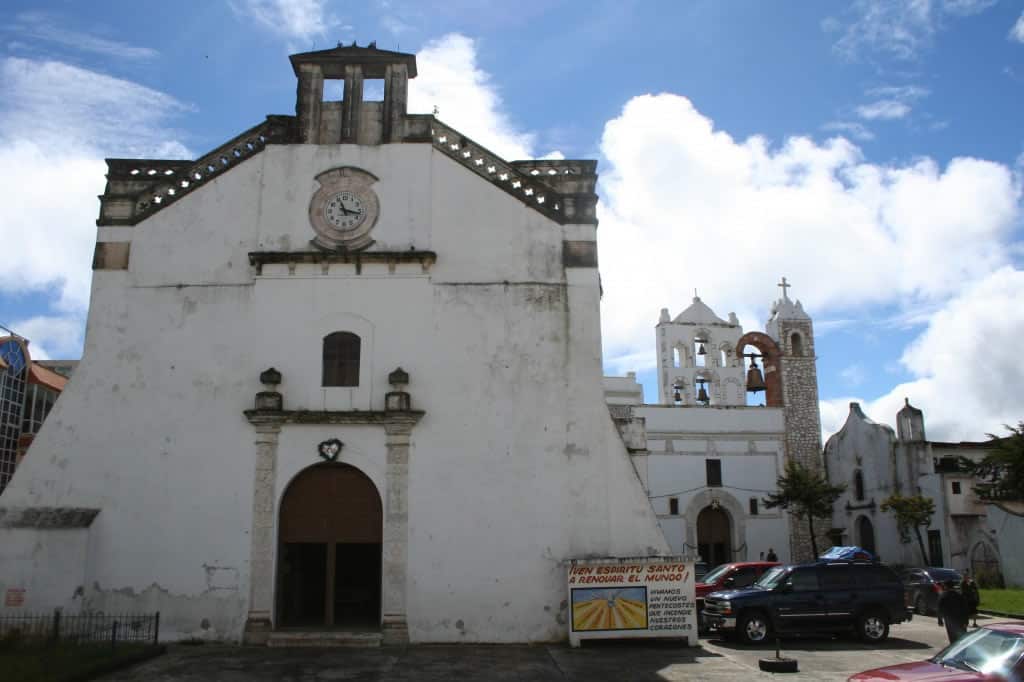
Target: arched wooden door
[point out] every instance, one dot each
(329, 567)
(866, 534)
(714, 536)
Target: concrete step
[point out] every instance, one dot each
(324, 638)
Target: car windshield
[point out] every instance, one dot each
(772, 577)
(990, 652)
(717, 573)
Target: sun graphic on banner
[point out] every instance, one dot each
(609, 609)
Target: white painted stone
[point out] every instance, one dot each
(515, 467)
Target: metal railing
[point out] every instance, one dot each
(81, 628)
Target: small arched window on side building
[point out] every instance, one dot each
(858, 485)
(341, 359)
(796, 342)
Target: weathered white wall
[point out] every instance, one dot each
(515, 467)
(54, 558)
(907, 467)
(1006, 524)
(867, 446)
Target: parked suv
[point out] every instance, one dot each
(731, 577)
(924, 585)
(816, 597)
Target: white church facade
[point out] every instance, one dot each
(343, 371)
(708, 459)
(875, 461)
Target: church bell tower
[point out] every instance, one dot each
(792, 330)
(354, 119)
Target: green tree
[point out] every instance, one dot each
(806, 495)
(1001, 471)
(912, 512)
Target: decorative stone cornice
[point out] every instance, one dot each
(354, 417)
(535, 183)
(392, 258)
(138, 188)
(47, 517)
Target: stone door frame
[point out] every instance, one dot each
(267, 425)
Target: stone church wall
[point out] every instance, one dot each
(515, 467)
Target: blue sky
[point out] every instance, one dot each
(870, 151)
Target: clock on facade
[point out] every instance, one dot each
(344, 210)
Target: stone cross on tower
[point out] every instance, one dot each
(784, 285)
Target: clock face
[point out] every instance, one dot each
(344, 211)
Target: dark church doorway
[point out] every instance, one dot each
(866, 534)
(714, 533)
(329, 568)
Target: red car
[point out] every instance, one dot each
(994, 652)
(730, 577)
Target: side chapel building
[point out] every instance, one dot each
(343, 371)
(875, 461)
(706, 458)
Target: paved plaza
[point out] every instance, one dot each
(820, 659)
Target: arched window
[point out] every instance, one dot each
(797, 344)
(858, 484)
(341, 359)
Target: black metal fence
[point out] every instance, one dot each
(81, 628)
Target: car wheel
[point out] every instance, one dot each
(920, 608)
(753, 628)
(873, 627)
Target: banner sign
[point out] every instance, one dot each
(626, 598)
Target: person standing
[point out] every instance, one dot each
(771, 556)
(954, 611)
(970, 591)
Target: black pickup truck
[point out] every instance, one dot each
(823, 596)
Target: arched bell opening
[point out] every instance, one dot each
(330, 534)
(760, 352)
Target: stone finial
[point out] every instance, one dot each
(398, 378)
(398, 400)
(664, 316)
(270, 399)
(270, 377)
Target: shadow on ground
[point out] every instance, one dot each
(820, 643)
(429, 663)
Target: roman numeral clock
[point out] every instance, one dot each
(344, 210)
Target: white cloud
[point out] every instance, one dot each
(852, 128)
(43, 26)
(898, 92)
(685, 205)
(1017, 32)
(966, 366)
(465, 97)
(886, 109)
(62, 106)
(57, 123)
(853, 375)
(51, 337)
(898, 28)
(301, 20)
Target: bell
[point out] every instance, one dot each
(701, 351)
(702, 395)
(677, 397)
(755, 380)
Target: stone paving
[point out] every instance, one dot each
(820, 659)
